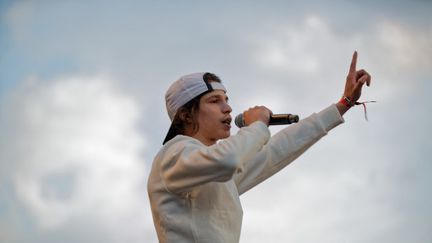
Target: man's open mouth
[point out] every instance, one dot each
(227, 121)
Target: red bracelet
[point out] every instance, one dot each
(346, 102)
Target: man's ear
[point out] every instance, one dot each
(185, 116)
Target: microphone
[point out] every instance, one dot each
(275, 119)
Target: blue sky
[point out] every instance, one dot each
(82, 113)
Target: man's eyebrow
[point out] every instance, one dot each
(218, 96)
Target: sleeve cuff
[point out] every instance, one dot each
(262, 129)
(330, 117)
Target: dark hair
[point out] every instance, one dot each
(190, 109)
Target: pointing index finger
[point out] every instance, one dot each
(353, 63)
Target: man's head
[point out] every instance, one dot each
(197, 106)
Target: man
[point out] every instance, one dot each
(195, 182)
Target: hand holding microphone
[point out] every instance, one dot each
(257, 113)
(265, 115)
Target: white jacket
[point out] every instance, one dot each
(194, 189)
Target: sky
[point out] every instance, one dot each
(82, 113)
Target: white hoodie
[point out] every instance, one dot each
(194, 189)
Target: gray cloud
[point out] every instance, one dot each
(72, 155)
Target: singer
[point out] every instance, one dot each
(195, 182)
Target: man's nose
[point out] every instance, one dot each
(227, 108)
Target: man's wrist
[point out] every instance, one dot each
(342, 108)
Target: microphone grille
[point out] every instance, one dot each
(293, 118)
(239, 120)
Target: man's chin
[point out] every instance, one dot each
(226, 135)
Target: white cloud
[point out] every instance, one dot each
(73, 153)
(314, 57)
(333, 193)
(390, 45)
(295, 48)
(407, 48)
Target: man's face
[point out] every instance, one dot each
(214, 117)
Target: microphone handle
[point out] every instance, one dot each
(283, 119)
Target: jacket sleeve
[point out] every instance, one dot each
(187, 163)
(286, 146)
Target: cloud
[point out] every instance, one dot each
(313, 57)
(298, 47)
(72, 153)
(292, 48)
(345, 188)
(409, 49)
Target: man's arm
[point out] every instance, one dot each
(294, 140)
(285, 146)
